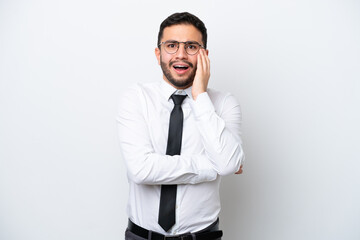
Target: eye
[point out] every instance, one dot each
(171, 45)
(192, 46)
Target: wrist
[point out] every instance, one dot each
(197, 93)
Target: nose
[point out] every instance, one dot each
(181, 53)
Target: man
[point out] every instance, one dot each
(178, 138)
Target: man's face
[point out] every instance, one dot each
(179, 68)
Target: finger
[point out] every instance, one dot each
(240, 171)
(207, 60)
(204, 62)
(199, 62)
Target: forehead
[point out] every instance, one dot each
(182, 33)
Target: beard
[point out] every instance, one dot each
(178, 82)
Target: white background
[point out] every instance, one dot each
(293, 65)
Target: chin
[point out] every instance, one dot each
(181, 83)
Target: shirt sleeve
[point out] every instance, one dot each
(144, 165)
(221, 132)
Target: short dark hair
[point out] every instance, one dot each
(183, 18)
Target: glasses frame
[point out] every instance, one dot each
(185, 44)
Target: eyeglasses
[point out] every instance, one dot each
(172, 47)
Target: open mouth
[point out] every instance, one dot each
(180, 68)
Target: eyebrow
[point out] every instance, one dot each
(188, 42)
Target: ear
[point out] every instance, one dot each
(157, 54)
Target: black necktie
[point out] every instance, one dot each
(168, 192)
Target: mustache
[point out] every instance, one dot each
(183, 61)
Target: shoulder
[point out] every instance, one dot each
(142, 87)
(215, 94)
(132, 94)
(138, 90)
(137, 96)
(220, 98)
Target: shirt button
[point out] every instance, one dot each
(180, 91)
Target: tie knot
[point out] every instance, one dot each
(178, 99)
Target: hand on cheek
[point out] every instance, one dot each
(202, 75)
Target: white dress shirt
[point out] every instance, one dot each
(211, 147)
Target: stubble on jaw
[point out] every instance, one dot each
(177, 83)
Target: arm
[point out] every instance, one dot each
(145, 166)
(220, 134)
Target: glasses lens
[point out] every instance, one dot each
(192, 48)
(171, 47)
